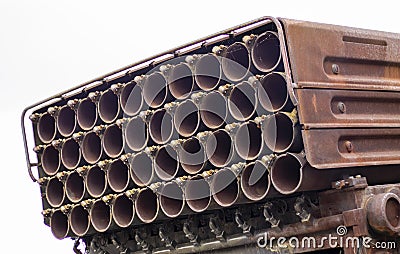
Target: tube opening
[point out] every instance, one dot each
(100, 216)
(166, 163)
(272, 92)
(46, 128)
(213, 110)
(50, 160)
(286, 174)
(181, 81)
(198, 194)
(219, 148)
(236, 61)
(123, 211)
(142, 169)
(136, 134)
(155, 90)
(242, 101)
(392, 210)
(248, 141)
(225, 188)
(66, 121)
(187, 119)
(91, 147)
(80, 221)
(383, 213)
(70, 154)
(278, 132)
(86, 114)
(255, 181)
(96, 182)
(147, 206)
(266, 53)
(192, 156)
(118, 176)
(172, 200)
(75, 187)
(59, 225)
(208, 72)
(131, 99)
(113, 143)
(108, 106)
(161, 126)
(55, 194)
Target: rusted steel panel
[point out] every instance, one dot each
(332, 148)
(333, 56)
(329, 108)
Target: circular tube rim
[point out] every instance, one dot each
(126, 99)
(161, 140)
(92, 217)
(140, 214)
(189, 201)
(73, 226)
(103, 110)
(277, 181)
(216, 192)
(118, 221)
(147, 92)
(49, 200)
(256, 63)
(44, 161)
(129, 142)
(186, 118)
(67, 192)
(173, 81)
(106, 140)
(52, 133)
(81, 119)
(59, 236)
(89, 188)
(226, 61)
(198, 77)
(246, 189)
(161, 200)
(61, 130)
(85, 147)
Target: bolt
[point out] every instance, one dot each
(335, 69)
(342, 107)
(38, 149)
(34, 117)
(349, 146)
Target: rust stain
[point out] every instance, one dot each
(314, 103)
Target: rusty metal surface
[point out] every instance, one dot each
(330, 56)
(331, 108)
(357, 76)
(332, 148)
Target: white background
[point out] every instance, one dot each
(49, 46)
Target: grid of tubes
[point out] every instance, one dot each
(207, 132)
